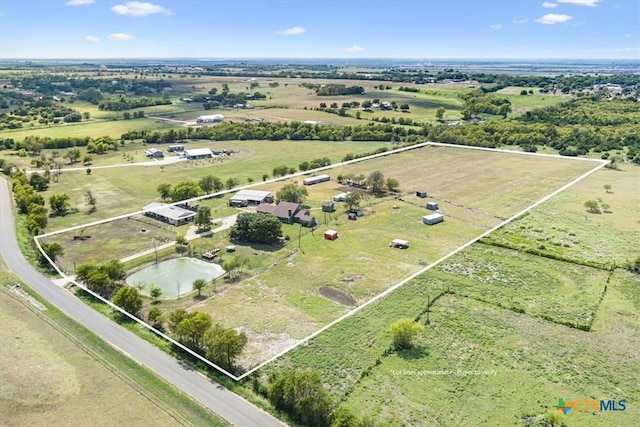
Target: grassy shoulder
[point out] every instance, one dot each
(73, 383)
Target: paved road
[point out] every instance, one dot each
(227, 404)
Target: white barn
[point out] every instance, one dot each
(214, 118)
(316, 179)
(198, 153)
(433, 218)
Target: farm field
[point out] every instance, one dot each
(509, 319)
(564, 228)
(128, 189)
(48, 379)
(289, 292)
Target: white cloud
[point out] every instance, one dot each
(120, 37)
(628, 49)
(495, 27)
(92, 39)
(590, 3)
(79, 2)
(293, 31)
(549, 5)
(354, 49)
(553, 18)
(136, 8)
(520, 21)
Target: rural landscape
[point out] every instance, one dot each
(319, 242)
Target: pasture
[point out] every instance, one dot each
(48, 378)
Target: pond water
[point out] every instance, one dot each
(176, 276)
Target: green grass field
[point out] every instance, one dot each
(55, 372)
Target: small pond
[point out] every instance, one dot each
(176, 276)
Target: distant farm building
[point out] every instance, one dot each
(198, 153)
(340, 197)
(328, 206)
(399, 243)
(170, 214)
(316, 179)
(289, 213)
(331, 235)
(432, 206)
(214, 118)
(250, 198)
(175, 148)
(421, 194)
(433, 218)
(153, 153)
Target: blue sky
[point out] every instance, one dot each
(425, 29)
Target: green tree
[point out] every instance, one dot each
(592, 206)
(203, 218)
(256, 228)
(223, 346)
(392, 184)
(404, 331)
(292, 193)
(129, 299)
(208, 183)
(343, 417)
(38, 182)
(155, 292)
(198, 285)
(192, 328)
(184, 190)
(155, 317)
(352, 200)
(164, 190)
(440, 113)
(302, 395)
(607, 188)
(376, 182)
(175, 317)
(232, 182)
(73, 155)
(53, 250)
(59, 203)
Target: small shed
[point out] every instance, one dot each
(328, 206)
(433, 218)
(399, 243)
(153, 153)
(421, 194)
(432, 206)
(330, 235)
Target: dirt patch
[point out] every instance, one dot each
(262, 346)
(17, 289)
(336, 295)
(352, 279)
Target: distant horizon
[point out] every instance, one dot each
(315, 29)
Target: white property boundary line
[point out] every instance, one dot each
(601, 164)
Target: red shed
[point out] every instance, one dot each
(331, 234)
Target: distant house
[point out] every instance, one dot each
(175, 148)
(399, 243)
(328, 206)
(198, 153)
(170, 214)
(432, 206)
(153, 153)
(433, 218)
(250, 197)
(316, 179)
(289, 213)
